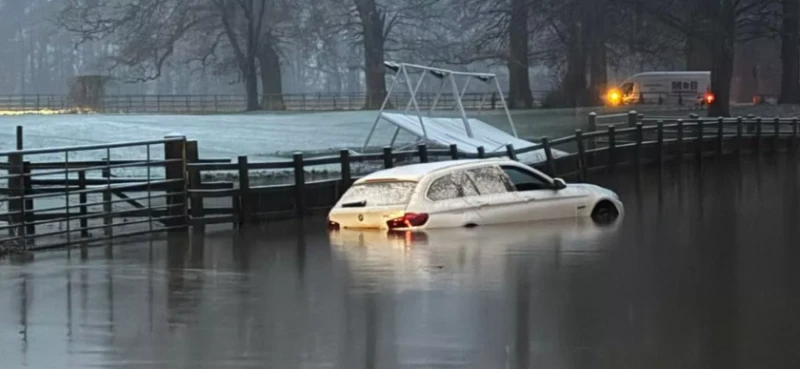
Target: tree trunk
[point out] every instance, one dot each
(251, 84)
(790, 57)
(372, 23)
(698, 57)
(598, 67)
(271, 82)
(575, 79)
(519, 89)
(722, 58)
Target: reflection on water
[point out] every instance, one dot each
(701, 273)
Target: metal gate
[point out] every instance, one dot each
(59, 197)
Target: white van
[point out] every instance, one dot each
(684, 87)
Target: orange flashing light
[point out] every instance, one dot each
(709, 98)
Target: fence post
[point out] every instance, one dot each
(175, 170)
(777, 132)
(27, 203)
(592, 128)
(510, 152)
(423, 153)
(611, 148)
(698, 147)
(679, 141)
(347, 177)
(481, 152)
(83, 199)
(195, 180)
(660, 140)
(108, 220)
(454, 151)
(548, 154)
(639, 151)
(739, 133)
(758, 136)
(19, 137)
(720, 137)
(16, 187)
(245, 199)
(299, 184)
(632, 116)
(388, 157)
(581, 155)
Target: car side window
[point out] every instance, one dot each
(524, 180)
(490, 180)
(467, 186)
(444, 188)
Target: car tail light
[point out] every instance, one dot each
(332, 225)
(408, 220)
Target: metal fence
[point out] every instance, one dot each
(211, 104)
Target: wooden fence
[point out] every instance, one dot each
(193, 197)
(212, 104)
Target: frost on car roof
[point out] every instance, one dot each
(383, 193)
(415, 172)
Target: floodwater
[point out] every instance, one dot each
(702, 272)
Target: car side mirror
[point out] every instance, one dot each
(559, 184)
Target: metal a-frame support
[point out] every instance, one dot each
(401, 71)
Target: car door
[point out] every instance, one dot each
(542, 200)
(448, 206)
(496, 201)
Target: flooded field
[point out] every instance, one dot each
(701, 273)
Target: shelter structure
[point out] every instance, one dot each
(467, 133)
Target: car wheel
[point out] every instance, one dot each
(605, 212)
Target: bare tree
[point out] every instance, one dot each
(150, 31)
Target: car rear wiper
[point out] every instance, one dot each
(358, 204)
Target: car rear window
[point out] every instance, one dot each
(378, 194)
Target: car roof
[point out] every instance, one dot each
(415, 172)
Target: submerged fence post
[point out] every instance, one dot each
(481, 152)
(639, 152)
(83, 199)
(739, 133)
(299, 184)
(245, 200)
(581, 155)
(698, 146)
(592, 128)
(777, 132)
(16, 193)
(720, 137)
(344, 162)
(19, 138)
(510, 152)
(175, 173)
(195, 181)
(679, 143)
(660, 139)
(758, 136)
(27, 203)
(548, 153)
(454, 152)
(422, 149)
(388, 157)
(612, 143)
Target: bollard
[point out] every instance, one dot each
(299, 184)
(347, 177)
(422, 149)
(454, 152)
(388, 157)
(551, 165)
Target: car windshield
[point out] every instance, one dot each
(378, 194)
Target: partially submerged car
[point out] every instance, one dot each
(465, 193)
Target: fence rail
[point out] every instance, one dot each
(175, 190)
(211, 104)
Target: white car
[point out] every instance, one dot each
(459, 193)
